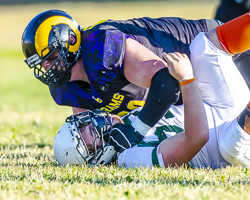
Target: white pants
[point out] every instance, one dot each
(234, 145)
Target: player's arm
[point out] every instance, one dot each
(144, 68)
(180, 148)
(140, 64)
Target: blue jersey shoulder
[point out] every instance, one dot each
(103, 53)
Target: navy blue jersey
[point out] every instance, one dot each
(103, 49)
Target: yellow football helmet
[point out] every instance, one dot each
(52, 32)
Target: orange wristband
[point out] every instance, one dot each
(187, 81)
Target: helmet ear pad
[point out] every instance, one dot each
(66, 38)
(72, 38)
(72, 41)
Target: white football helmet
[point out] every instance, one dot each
(70, 147)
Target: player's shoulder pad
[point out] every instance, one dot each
(114, 49)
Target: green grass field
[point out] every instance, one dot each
(29, 120)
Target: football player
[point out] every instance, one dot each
(217, 132)
(114, 66)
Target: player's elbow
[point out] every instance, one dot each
(204, 132)
(203, 137)
(198, 132)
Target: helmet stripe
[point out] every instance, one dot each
(43, 31)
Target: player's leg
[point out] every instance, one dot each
(220, 82)
(224, 87)
(226, 37)
(242, 62)
(234, 141)
(146, 156)
(212, 24)
(234, 36)
(244, 119)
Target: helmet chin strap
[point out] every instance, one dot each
(72, 39)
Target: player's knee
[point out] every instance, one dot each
(212, 23)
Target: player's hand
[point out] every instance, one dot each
(179, 66)
(124, 136)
